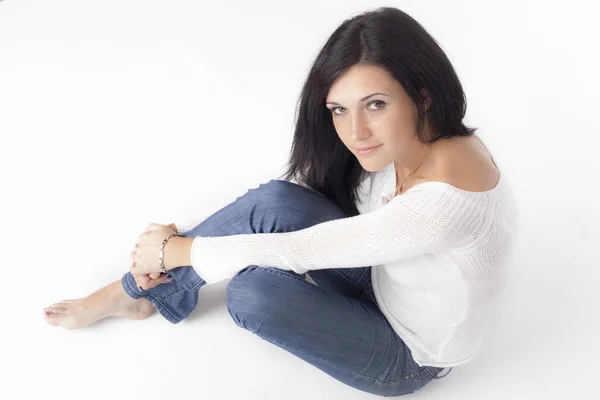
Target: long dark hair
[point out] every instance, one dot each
(391, 39)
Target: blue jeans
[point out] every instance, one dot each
(335, 326)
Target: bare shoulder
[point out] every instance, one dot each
(465, 162)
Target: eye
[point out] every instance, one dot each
(335, 108)
(382, 104)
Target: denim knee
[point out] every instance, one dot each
(239, 295)
(274, 189)
(280, 192)
(254, 295)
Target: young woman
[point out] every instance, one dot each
(390, 204)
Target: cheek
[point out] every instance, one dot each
(384, 122)
(393, 124)
(400, 114)
(342, 130)
(386, 127)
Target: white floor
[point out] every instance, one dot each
(114, 114)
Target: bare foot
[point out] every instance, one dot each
(109, 301)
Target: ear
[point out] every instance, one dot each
(425, 98)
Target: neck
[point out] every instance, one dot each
(410, 161)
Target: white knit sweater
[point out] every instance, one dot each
(439, 255)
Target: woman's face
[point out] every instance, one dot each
(370, 108)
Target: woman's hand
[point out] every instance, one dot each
(145, 255)
(146, 282)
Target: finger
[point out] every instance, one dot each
(136, 272)
(155, 275)
(137, 267)
(140, 281)
(155, 282)
(152, 227)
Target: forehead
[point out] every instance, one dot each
(362, 80)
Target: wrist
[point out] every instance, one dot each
(177, 252)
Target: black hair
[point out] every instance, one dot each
(391, 39)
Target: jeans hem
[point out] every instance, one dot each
(441, 374)
(158, 306)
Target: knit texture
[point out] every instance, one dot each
(439, 256)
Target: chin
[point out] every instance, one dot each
(372, 165)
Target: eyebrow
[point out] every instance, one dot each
(363, 99)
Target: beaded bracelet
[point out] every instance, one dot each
(161, 252)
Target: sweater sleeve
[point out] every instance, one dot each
(399, 230)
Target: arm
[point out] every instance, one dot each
(426, 220)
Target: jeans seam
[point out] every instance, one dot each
(165, 308)
(179, 291)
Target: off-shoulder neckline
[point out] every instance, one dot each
(500, 180)
(391, 169)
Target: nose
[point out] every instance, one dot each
(360, 130)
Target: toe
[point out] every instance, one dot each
(56, 309)
(51, 317)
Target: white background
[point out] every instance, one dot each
(118, 113)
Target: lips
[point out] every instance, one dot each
(368, 151)
(367, 148)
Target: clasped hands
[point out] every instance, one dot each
(145, 266)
